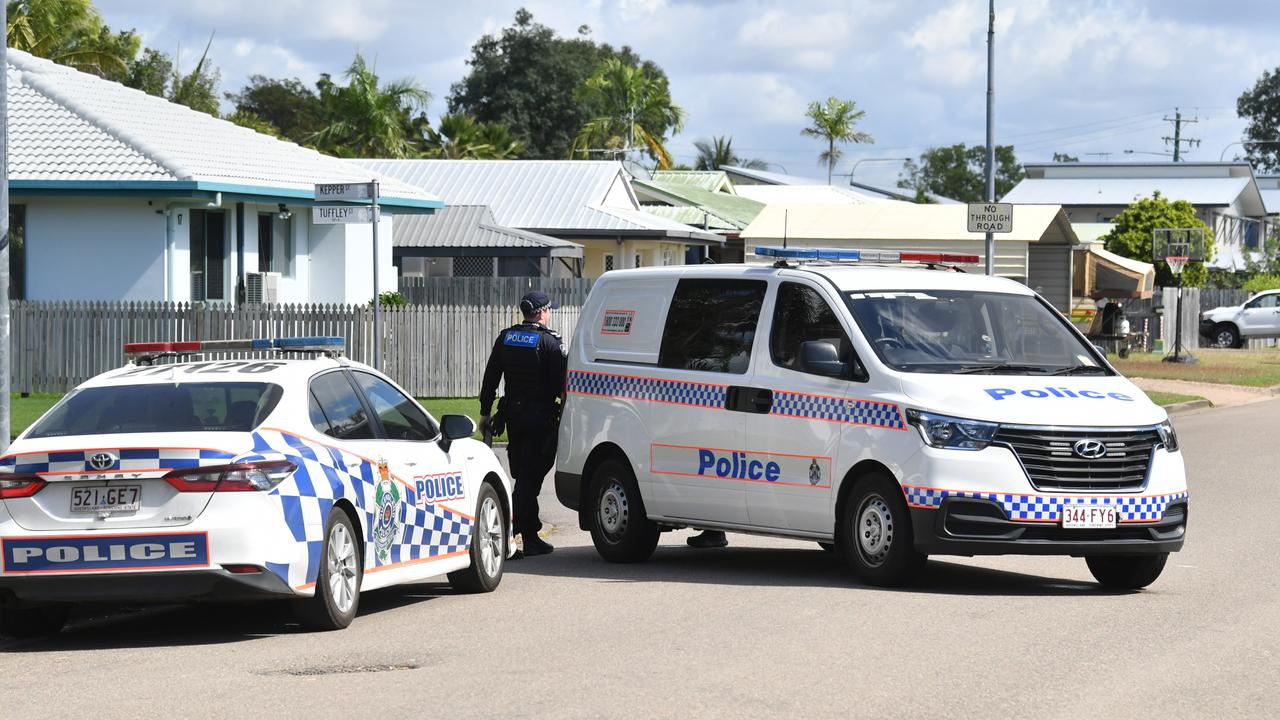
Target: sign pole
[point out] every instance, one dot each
(6, 342)
(377, 311)
(991, 148)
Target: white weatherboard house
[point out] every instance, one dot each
(589, 202)
(119, 195)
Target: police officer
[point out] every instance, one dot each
(534, 362)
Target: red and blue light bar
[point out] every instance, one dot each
(865, 256)
(312, 343)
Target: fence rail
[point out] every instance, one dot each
(500, 292)
(432, 351)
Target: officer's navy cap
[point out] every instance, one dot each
(534, 301)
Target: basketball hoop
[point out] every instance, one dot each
(1177, 263)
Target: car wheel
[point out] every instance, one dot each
(337, 597)
(1126, 572)
(488, 547)
(875, 535)
(1226, 335)
(33, 622)
(620, 529)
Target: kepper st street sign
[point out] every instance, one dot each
(990, 217)
(366, 192)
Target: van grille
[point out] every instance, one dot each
(1051, 464)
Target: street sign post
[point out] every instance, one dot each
(347, 214)
(990, 217)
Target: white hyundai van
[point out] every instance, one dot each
(885, 410)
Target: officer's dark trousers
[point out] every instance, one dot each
(530, 451)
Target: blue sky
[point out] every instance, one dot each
(1090, 77)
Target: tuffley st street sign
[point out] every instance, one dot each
(340, 214)
(990, 217)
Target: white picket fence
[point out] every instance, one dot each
(432, 351)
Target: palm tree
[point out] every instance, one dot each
(502, 144)
(718, 152)
(69, 32)
(834, 123)
(460, 136)
(368, 120)
(198, 89)
(635, 107)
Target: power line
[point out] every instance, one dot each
(1177, 138)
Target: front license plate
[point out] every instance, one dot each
(105, 498)
(1088, 517)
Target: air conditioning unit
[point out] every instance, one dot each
(262, 287)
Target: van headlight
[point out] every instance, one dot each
(1168, 436)
(944, 431)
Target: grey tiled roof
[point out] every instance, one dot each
(473, 227)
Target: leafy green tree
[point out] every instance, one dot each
(1131, 235)
(834, 122)
(368, 119)
(527, 78)
(285, 104)
(628, 98)
(245, 118)
(1260, 106)
(197, 89)
(958, 172)
(717, 152)
(70, 32)
(1064, 158)
(461, 137)
(150, 73)
(1265, 281)
(502, 143)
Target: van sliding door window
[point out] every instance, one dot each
(711, 325)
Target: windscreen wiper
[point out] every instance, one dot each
(997, 367)
(1080, 370)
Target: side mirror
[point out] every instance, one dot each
(455, 427)
(822, 358)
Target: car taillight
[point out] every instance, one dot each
(238, 477)
(14, 485)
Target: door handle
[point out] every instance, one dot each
(748, 399)
(762, 400)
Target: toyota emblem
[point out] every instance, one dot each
(1089, 449)
(102, 461)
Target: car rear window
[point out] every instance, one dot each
(183, 407)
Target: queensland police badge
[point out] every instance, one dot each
(815, 472)
(387, 501)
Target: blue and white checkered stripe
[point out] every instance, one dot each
(787, 404)
(326, 474)
(648, 389)
(834, 409)
(1129, 508)
(74, 461)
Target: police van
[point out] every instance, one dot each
(885, 404)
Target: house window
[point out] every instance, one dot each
(608, 262)
(208, 255)
(17, 252)
(275, 243)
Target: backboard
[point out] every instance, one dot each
(1185, 243)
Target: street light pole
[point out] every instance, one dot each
(991, 147)
(854, 169)
(1223, 154)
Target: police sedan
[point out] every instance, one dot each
(293, 474)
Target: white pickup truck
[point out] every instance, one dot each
(1258, 317)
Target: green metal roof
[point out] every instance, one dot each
(690, 215)
(710, 180)
(737, 211)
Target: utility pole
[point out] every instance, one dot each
(1177, 138)
(5, 341)
(991, 145)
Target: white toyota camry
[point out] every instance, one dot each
(295, 474)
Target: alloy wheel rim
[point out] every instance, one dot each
(491, 537)
(342, 563)
(874, 530)
(614, 511)
(1225, 339)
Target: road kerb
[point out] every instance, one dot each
(1187, 406)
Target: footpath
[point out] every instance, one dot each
(1218, 394)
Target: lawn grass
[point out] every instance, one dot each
(1256, 368)
(25, 411)
(1163, 398)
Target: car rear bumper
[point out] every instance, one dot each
(148, 587)
(973, 526)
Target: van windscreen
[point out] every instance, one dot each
(950, 331)
(152, 408)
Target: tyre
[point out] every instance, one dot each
(875, 533)
(1225, 335)
(620, 529)
(33, 622)
(488, 547)
(337, 597)
(1126, 572)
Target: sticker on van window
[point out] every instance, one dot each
(892, 295)
(617, 322)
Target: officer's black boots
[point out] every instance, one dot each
(534, 545)
(708, 539)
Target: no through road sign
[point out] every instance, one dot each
(990, 217)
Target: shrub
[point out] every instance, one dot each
(391, 298)
(1262, 281)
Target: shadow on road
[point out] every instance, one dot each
(98, 627)
(764, 567)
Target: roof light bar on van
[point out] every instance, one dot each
(315, 343)
(864, 256)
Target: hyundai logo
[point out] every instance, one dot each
(102, 461)
(1089, 449)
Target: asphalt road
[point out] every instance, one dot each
(762, 628)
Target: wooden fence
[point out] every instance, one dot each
(432, 351)
(472, 291)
